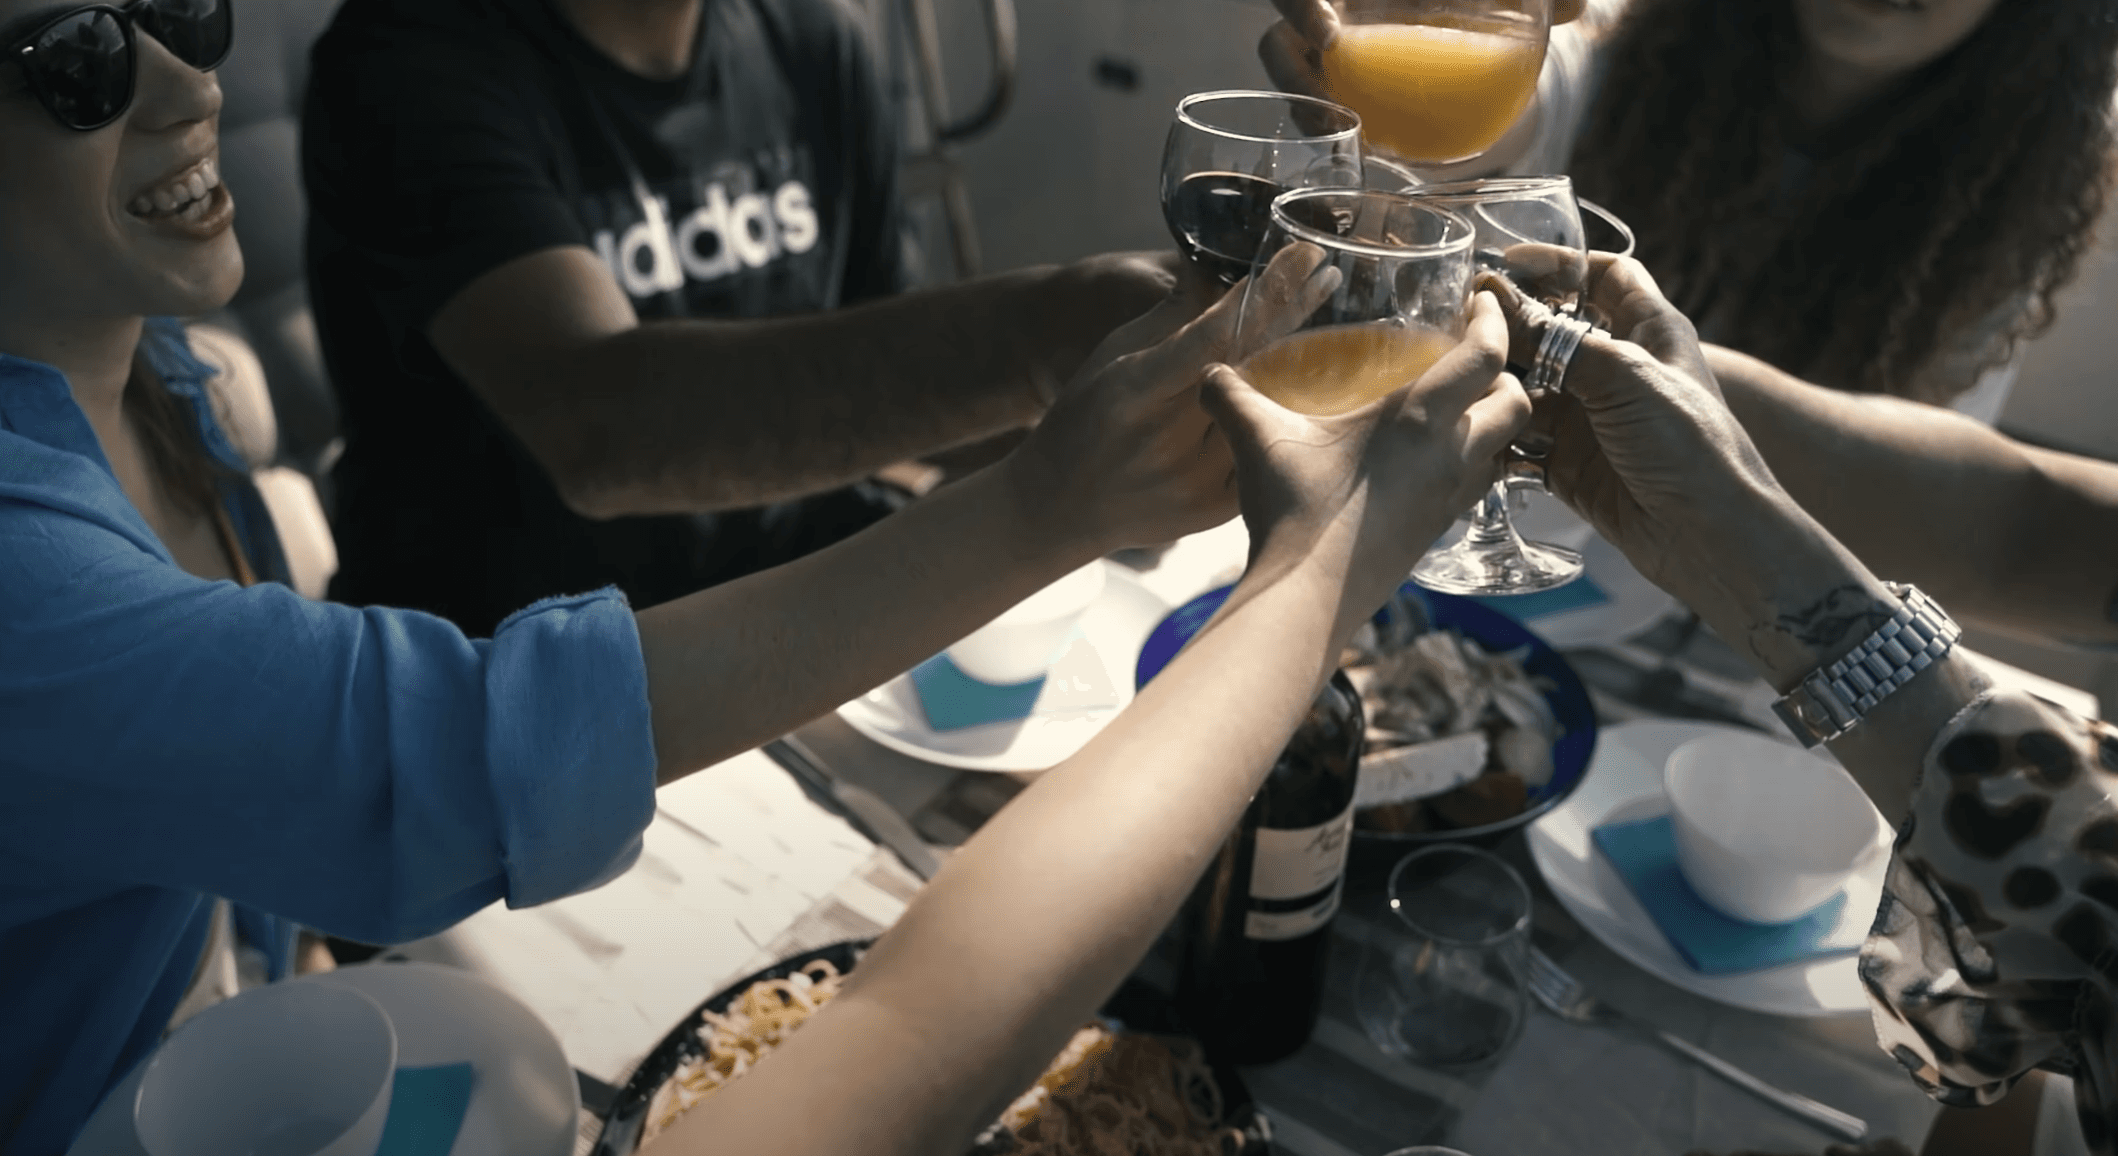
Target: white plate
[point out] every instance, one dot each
(1114, 629)
(524, 1103)
(1624, 782)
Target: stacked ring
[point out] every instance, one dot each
(1562, 338)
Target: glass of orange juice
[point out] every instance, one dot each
(1404, 284)
(1436, 81)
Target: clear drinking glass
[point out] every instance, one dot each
(1606, 233)
(1436, 81)
(1404, 282)
(1529, 230)
(1442, 983)
(1230, 153)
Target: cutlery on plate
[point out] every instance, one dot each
(875, 818)
(1662, 691)
(1564, 997)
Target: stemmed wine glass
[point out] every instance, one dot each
(1529, 230)
(1230, 153)
(1436, 81)
(1404, 284)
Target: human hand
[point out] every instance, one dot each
(1127, 456)
(1088, 310)
(1386, 478)
(1643, 446)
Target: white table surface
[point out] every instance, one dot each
(735, 856)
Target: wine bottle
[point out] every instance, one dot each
(1255, 929)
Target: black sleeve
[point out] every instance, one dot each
(875, 263)
(427, 155)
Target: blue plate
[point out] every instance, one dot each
(1489, 628)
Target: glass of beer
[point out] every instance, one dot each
(1230, 153)
(1404, 285)
(1436, 81)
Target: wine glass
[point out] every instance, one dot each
(1606, 233)
(1436, 81)
(1529, 230)
(1230, 153)
(1404, 283)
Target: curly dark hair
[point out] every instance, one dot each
(1976, 186)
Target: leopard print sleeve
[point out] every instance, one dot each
(1996, 947)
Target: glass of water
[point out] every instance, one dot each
(1443, 981)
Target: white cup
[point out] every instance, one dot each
(291, 1069)
(1765, 831)
(1023, 643)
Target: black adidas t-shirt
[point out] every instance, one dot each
(443, 138)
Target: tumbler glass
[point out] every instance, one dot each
(1443, 983)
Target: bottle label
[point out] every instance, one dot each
(1295, 877)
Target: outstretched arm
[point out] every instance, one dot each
(2016, 537)
(691, 415)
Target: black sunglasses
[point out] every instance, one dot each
(82, 63)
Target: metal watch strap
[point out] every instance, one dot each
(1834, 698)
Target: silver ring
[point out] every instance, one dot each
(1524, 472)
(1562, 338)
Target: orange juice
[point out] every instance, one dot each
(1340, 368)
(1432, 94)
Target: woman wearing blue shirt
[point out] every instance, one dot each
(176, 726)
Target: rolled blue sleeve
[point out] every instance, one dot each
(557, 666)
(368, 772)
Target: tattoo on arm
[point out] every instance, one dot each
(1848, 611)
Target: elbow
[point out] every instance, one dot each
(590, 493)
(588, 476)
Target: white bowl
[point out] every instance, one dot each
(1022, 643)
(291, 1069)
(1765, 831)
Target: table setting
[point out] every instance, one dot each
(1546, 872)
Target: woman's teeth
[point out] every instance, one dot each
(189, 193)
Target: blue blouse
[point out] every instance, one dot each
(164, 739)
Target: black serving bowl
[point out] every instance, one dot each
(1136, 1007)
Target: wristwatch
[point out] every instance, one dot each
(1835, 698)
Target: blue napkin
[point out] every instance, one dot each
(426, 1110)
(1645, 854)
(1579, 594)
(954, 700)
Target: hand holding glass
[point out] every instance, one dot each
(1404, 276)
(1436, 81)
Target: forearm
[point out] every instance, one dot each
(1034, 922)
(1792, 599)
(2002, 533)
(736, 665)
(690, 415)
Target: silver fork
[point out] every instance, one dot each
(1564, 997)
